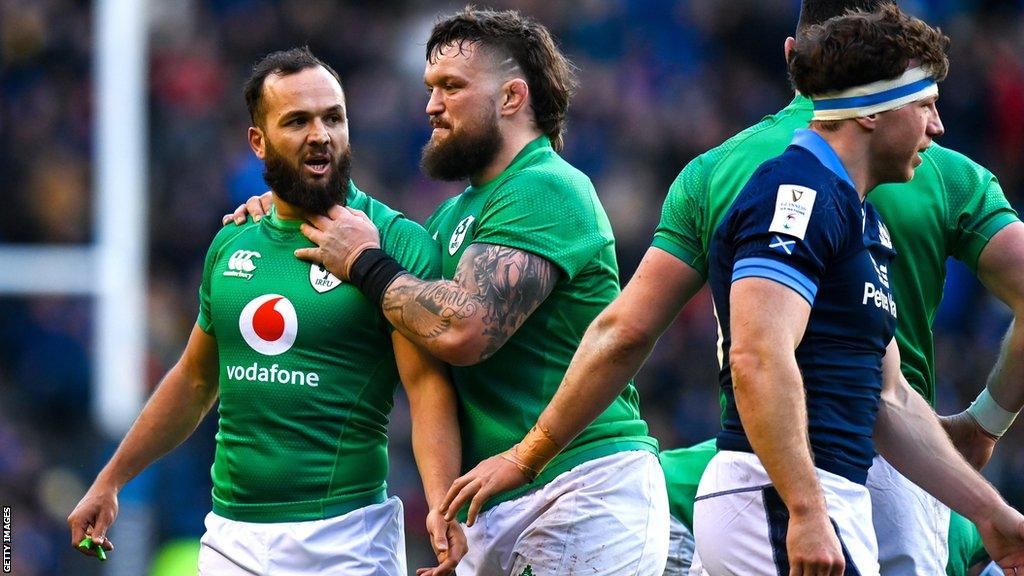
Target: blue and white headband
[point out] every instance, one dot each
(882, 96)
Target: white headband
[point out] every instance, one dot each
(884, 95)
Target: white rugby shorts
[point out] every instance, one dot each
(740, 522)
(680, 548)
(911, 525)
(605, 516)
(369, 541)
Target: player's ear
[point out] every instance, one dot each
(787, 47)
(257, 141)
(868, 122)
(514, 94)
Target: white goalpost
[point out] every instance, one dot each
(112, 270)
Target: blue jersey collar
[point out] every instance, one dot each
(813, 142)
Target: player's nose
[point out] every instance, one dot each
(318, 133)
(935, 127)
(435, 104)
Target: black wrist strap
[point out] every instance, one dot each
(373, 271)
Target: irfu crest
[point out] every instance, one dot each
(322, 279)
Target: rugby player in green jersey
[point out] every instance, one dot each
(952, 208)
(528, 261)
(304, 366)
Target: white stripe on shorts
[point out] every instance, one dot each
(739, 521)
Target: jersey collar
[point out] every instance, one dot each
(274, 220)
(801, 102)
(540, 143)
(812, 142)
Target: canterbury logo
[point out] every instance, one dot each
(240, 263)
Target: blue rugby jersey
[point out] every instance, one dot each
(800, 222)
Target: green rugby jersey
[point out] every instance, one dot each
(687, 466)
(307, 370)
(542, 205)
(965, 546)
(952, 207)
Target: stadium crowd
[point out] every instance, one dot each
(660, 82)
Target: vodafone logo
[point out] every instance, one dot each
(269, 324)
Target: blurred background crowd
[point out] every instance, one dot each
(660, 81)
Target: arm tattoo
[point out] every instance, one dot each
(494, 291)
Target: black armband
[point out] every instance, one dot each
(373, 271)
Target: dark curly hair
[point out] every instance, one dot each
(282, 63)
(817, 11)
(548, 73)
(863, 47)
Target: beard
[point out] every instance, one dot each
(292, 186)
(463, 153)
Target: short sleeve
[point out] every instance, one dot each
(555, 216)
(978, 209)
(224, 236)
(414, 248)
(683, 215)
(786, 233)
(205, 319)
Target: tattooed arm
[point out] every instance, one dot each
(461, 321)
(466, 320)
(612, 350)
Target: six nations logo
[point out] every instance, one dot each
(269, 324)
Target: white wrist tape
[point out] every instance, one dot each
(992, 417)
